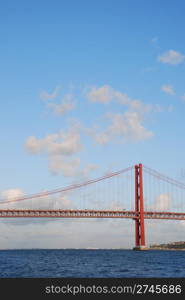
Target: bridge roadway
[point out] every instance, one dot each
(61, 213)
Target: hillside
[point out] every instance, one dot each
(170, 246)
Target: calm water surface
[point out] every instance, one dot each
(91, 263)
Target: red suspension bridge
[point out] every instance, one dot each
(136, 193)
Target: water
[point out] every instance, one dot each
(91, 263)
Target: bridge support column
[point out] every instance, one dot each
(139, 209)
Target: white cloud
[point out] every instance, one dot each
(33, 145)
(101, 138)
(171, 57)
(58, 201)
(106, 93)
(122, 98)
(61, 148)
(168, 89)
(69, 167)
(61, 165)
(124, 127)
(85, 233)
(88, 169)
(127, 126)
(67, 104)
(64, 143)
(73, 233)
(9, 199)
(103, 94)
(140, 107)
(10, 194)
(49, 96)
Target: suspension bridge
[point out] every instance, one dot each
(136, 193)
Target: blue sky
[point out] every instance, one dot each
(63, 64)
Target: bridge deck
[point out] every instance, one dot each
(60, 213)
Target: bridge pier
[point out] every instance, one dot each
(139, 209)
(140, 248)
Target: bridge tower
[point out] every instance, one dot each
(139, 209)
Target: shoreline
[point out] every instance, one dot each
(168, 249)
